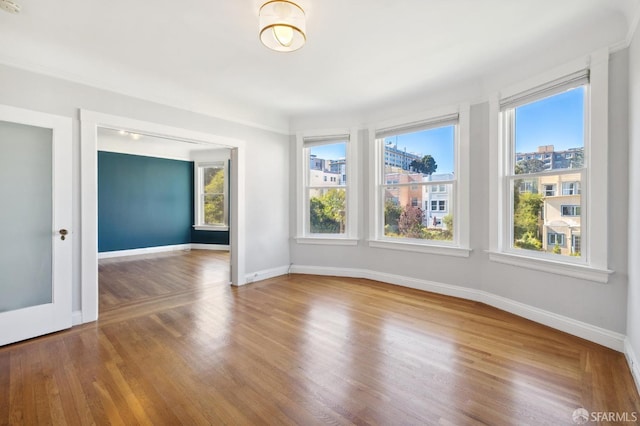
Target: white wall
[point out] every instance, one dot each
(600, 305)
(633, 301)
(267, 157)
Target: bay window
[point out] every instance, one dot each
(327, 199)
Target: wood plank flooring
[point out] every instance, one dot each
(175, 344)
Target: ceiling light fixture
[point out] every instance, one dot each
(9, 6)
(282, 25)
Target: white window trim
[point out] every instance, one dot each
(461, 209)
(594, 265)
(302, 164)
(198, 189)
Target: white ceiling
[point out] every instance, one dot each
(361, 55)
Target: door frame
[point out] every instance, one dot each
(90, 121)
(50, 317)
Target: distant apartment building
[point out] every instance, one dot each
(404, 195)
(561, 213)
(437, 200)
(324, 172)
(560, 216)
(552, 159)
(395, 157)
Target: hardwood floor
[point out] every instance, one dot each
(175, 344)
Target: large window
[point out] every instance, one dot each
(327, 204)
(549, 190)
(212, 189)
(550, 124)
(418, 182)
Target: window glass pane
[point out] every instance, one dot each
(547, 220)
(213, 180)
(327, 210)
(425, 215)
(414, 157)
(549, 133)
(213, 209)
(328, 165)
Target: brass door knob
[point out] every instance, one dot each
(63, 233)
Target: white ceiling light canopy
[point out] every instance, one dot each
(282, 25)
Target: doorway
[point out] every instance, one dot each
(91, 122)
(162, 218)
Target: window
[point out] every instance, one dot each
(570, 188)
(527, 186)
(327, 205)
(575, 245)
(555, 239)
(549, 190)
(211, 199)
(438, 205)
(567, 114)
(430, 150)
(529, 122)
(570, 210)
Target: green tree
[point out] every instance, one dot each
(448, 223)
(427, 165)
(392, 214)
(526, 213)
(214, 196)
(529, 166)
(327, 212)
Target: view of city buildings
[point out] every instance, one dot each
(559, 219)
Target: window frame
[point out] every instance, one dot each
(199, 194)
(459, 247)
(593, 263)
(321, 137)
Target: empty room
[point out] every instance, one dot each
(311, 212)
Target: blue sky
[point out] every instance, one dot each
(332, 151)
(438, 143)
(557, 121)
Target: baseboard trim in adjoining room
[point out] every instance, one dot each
(610, 339)
(162, 249)
(265, 274)
(632, 360)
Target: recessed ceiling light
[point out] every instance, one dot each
(9, 6)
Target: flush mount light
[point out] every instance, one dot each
(9, 6)
(282, 26)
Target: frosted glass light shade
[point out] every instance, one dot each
(282, 26)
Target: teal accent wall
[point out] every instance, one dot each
(147, 202)
(143, 201)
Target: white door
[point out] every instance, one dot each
(35, 216)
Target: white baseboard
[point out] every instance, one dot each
(161, 249)
(581, 329)
(632, 360)
(265, 274)
(215, 247)
(76, 318)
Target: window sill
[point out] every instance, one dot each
(422, 248)
(210, 228)
(560, 268)
(327, 241)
